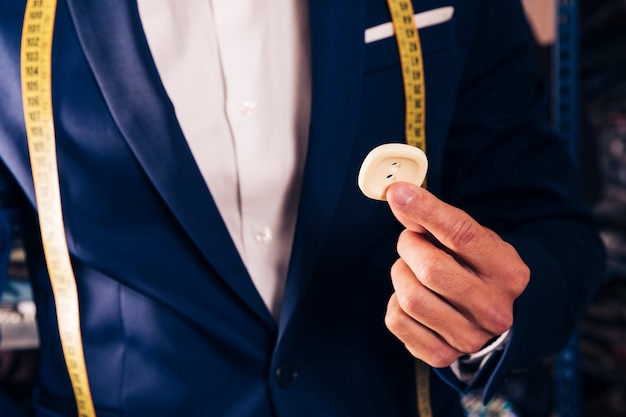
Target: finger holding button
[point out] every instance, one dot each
(456, 281)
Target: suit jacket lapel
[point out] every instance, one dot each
(116, 49)
(337, 54)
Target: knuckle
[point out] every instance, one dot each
(442, 358)
(397, 267)
(404, 236)
(463, 232)
(391, 321)
(393, 318)
(438, 354)
(498, 321)
(470, 344)
(431, 270)
(520, 276)
(406, 244)
(517, 273)
(502, 326)
(410, 303)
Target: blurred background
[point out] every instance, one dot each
(602, 33)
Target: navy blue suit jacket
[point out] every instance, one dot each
(173, 325)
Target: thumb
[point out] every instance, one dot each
(418, 210)
(479, 247)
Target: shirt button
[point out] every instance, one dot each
(248, 108)
(286, 374)
(263, 234)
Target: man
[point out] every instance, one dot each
(227, 263)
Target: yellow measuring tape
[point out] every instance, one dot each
(35, 66)
(410, 49)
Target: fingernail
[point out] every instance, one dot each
(403, 195)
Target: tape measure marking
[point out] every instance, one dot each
(411, 59)
(35, 67)
(410, 49)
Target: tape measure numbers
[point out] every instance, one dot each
(410, 49)
(35, 67)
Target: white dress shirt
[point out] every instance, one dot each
(238, 76)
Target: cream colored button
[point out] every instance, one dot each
(389, 163)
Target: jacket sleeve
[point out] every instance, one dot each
(506, 168)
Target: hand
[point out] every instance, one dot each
(455, 281)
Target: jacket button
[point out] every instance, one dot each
(286, 374)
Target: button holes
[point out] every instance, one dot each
(395, 167)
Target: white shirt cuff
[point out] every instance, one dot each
(466, 367)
